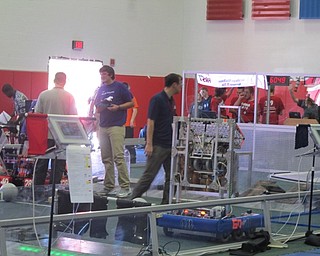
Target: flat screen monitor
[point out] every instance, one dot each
(67, 130)
(315, 134)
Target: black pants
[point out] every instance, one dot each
(42, 169)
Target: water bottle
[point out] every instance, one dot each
(127, 160)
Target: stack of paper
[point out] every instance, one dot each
(4, 117)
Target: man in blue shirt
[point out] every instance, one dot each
(161, 110)
(112, 101)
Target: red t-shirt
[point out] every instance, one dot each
(215, 102)
(130, 111)
(276, 106)
(247, 111)
(233, 114)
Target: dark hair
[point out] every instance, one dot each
(310, 101)
(7, 88)
(204, 89)
(219, 91)
(250, 88)
(271, 88)
(171, 79)
(109, 70)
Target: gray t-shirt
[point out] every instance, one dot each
(56, 101)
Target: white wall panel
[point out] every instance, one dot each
(143, 36)
(249, 45)
(154, 37)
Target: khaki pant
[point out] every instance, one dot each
(112, 154)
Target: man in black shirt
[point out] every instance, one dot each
(159, 137)
(310, 108)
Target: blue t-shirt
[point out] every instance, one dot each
(115, 93)
(205, 104)
(161, 111)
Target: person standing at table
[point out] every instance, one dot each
(19, 99)
(60, 102)
(276, 107)
(310, 108)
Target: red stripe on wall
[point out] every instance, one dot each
(224, 10)
(270, 9)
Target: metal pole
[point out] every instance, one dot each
(154, 234)
(3, 244)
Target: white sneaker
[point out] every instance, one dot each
(108, 192)
(113, 192)
(124, 192)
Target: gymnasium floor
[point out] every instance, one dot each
(72, 244)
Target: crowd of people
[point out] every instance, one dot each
(269, 108)
(115, 109)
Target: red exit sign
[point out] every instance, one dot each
(77, 45)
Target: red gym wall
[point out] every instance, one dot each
(143, 87)
(32, 83)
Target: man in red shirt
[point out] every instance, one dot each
(234, 112)
(246, 101)
(276, 108)
(219, 99)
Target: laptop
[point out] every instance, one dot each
(294, 115)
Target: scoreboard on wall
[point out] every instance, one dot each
(278, 80)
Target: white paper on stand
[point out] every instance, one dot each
(79, 174)
(4, 117)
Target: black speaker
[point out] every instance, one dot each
(132, 228)
(97, 225)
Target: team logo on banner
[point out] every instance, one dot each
(227, 80)
(204, 79)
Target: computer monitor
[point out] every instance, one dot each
(67, 129)
(315, 134)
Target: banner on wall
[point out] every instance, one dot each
(227, 80)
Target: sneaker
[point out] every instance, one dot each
(108, 192)
(124, 192)
(113, 192)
